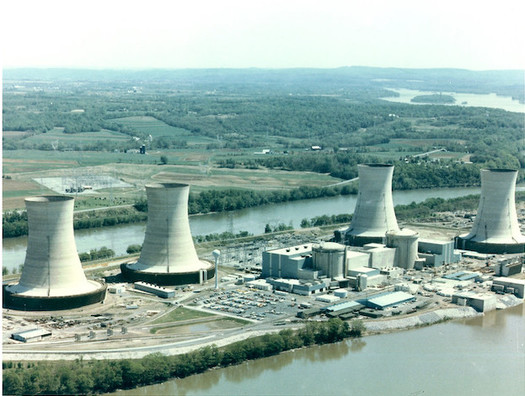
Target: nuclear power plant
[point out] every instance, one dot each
(374, 212)
(52, 277)
(168, 255)
(496, 228)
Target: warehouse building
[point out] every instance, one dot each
(389, 299)
(31, 335)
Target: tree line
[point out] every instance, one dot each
(102, 376)
(14, 223)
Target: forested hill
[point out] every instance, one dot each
(371, 80)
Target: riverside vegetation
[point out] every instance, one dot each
(102, 376)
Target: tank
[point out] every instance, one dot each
(329, 258)
(168, 255)
(495, 229)
(405, 242)
(374, 212)
(52, 277)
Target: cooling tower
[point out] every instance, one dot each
(496, 228)
(52, 277)
(168, 255)
(374, 212)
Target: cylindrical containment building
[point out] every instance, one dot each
(168, 255)
(52, 277)
(405, 243)
(329, 257)
(374, 211)
(496, 229)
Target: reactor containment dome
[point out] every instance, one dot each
(168, 255)
(52, 277)
(496, 228)
(374, 211)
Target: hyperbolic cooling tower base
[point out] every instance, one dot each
(493, 248)
(23, 302)
(358, 240)
(166, 278)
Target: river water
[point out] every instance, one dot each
(463, 99)
(252, 220)
(480, 356)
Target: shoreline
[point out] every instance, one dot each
(373, 327)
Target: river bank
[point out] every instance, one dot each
(373, 326)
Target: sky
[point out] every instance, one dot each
(129, 34)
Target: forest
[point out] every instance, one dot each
(227, 116)
(102, 376)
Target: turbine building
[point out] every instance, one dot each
(52, 277)
(374, 212)
(168, 255)
(496, 229)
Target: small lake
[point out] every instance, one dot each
(463, 99)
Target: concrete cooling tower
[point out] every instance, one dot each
(374, 212)
(52, 277)
(168, 255)
(496, 229)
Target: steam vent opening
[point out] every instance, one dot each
(374, 211)
(168, 255)
(52, 277)
(496, 228)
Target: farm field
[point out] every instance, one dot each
(248, 129)
(199, 177)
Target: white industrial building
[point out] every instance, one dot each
(437, 253)
(509, 285)
(374, 211)
(52, 277)
(168, 255)
(508, 266)
(480, 302)
(496, 228)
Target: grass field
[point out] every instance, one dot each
(14, 192)
(181, 313)
(157, 128)
(58, 136)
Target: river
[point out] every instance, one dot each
(480, 356)
(463, 99)
(252, 220)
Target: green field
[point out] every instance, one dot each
(156, 128)
(181, 313)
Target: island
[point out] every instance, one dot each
(434, 99)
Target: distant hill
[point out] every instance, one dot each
(299, 80)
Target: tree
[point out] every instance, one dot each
(133, 249)
(163, 160)
(357, 328)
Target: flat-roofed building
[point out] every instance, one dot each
(31, 335)
(390, 299)
(480, 302)
(509, 285)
